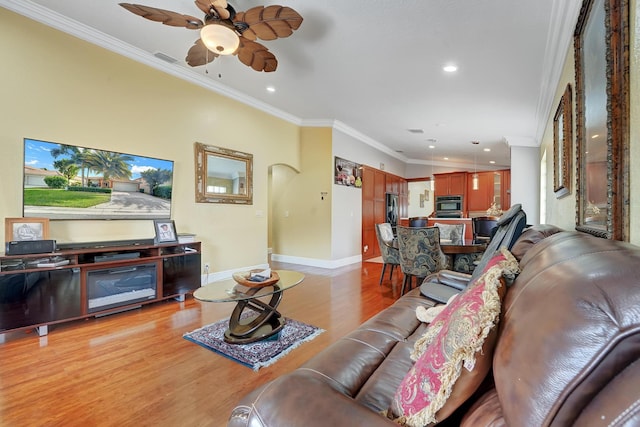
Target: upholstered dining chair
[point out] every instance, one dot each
(420, 253)
(451, 233)
(418, 221)
(388, 248)
(483, 228)
(444, 284)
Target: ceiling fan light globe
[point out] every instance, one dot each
(219, 39)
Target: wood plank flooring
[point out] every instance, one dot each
(134, 368)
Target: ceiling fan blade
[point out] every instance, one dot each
(269, 23)
(199, 54)
(220, 6)
(256, 56)
(167, 17)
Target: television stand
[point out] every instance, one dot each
(38, 290)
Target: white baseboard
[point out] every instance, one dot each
(223, 275)
(314, 262)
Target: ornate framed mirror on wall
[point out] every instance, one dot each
(601, 42)
(562, 145)
(223, 175)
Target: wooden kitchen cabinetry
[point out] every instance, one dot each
(450, 184)
(493, 187)
(375, 185)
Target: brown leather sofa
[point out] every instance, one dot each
(568, 351)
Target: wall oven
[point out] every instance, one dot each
(448, 207)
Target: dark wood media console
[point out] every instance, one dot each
(38, 290)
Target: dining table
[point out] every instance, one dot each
(461, 255)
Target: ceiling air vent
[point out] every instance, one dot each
(415, 130)
(165, 57)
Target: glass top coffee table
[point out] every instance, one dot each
(255, 327)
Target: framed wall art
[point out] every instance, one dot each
(347, 173)
(24, 229)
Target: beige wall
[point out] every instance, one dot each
(562, 212)
(301, 219)
(60, 89)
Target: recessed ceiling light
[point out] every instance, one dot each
(432, 146)
(487, 149)
(594, 136)
(271, 89)
(450, 68)
(493, 162)
(446, 158)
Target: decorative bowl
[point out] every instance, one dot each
(243, 279)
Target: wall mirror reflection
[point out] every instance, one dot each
(602, 118)
(223, 175)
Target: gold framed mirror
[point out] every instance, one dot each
(223, 175)
(601, 42)
(562, 142)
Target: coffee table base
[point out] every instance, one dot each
(264, 332)
(265, 324)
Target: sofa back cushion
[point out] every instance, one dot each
(571, 324)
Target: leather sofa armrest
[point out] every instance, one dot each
(617, 404)
(302, 398)
(450, 278)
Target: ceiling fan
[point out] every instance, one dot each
(227, 32)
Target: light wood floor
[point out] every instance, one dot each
(134, 368)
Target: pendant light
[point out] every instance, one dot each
(475, 184)
(432, 184)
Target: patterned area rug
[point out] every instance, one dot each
(258, 354)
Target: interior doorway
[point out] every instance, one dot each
(420, 198)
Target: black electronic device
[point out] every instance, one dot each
(116, 256)
(25, 247)
(106, 244)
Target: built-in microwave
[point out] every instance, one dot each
(448, 204)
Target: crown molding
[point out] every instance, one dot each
(84, 32)
(563, 15)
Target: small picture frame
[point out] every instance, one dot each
(26, 229)
(165, 231)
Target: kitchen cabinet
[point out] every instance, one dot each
(375, 185)
(450, 184)
(493, 187)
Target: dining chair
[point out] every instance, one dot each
(388, 248)
(483, 228)
(420, 253)
(443, 285)
(418, 221)
(451, 233)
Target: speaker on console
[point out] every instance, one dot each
(30, 247)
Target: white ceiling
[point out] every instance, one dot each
(372, 68)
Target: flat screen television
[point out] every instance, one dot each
(66, 182)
